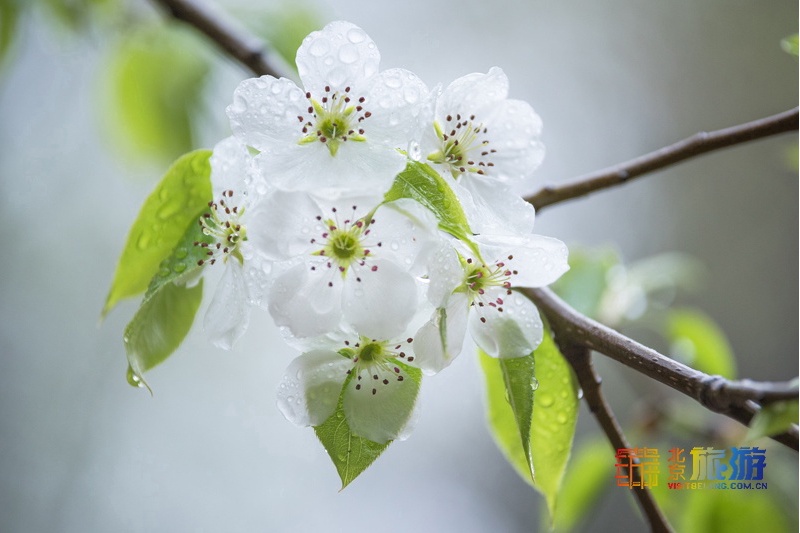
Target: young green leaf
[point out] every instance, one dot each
(177, 202)
(583, 285)
(351, 454)
(10, 11)
(423, 184)
(542, 444)
(168, 308)
(698, 341)
(555, 413)
(502, 420)
(789, 44)
(732, 510)
(283, 27)
(159, 327)
(589, 472)
(773, 419)
(154, 86)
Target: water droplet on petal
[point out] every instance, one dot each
(356, 35)
(415, 153)
(348, 54)
(318, 48)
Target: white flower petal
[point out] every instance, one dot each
(515, 332)
(228, 313)
(514, 129)
(440, 340)
(230, 167)
(310, 388)
(538, 260)
(404, 228)
(445, 274)
(283, 224)
(302, 300)
(494, 208)
(339, 55)
(383, 302)
(358, 168)
(472, 93)
(397, 99)
(264, 112)
(382, 406)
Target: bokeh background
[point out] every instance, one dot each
(80, 450)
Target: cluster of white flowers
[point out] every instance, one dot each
(364, 287)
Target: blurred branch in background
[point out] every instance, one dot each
(243, 47)
(731, 398)
(698, 144)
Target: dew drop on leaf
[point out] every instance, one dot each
(534, 383)
(544, 400)
(144, 241)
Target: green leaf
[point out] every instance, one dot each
(534, 430)
(351, 454)
(589, 472)
(9, 21)
(159, 327)
(583, 285)
(177, 202)
(155, 81)
(555, 413)
(284, 27)
(698, 341)
(789, 44)
(421, 183)
(168, 308)
(503, 422)
(773, 419)
(732, 511)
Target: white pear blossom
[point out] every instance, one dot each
(486, 142)
(344, 260)
(341, 131)
(475, 292)
(232, 222)
(379, 395)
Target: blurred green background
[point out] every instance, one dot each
(97, 96)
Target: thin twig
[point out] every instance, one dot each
(240, 45)
(581, 361)
(697, 144)
(715, 393)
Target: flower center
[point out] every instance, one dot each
(478, 279)
(344, 243)
(373, 362)
(464, 146)
(333, 119)
(222, 224)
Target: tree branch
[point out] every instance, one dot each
(697, 144)
(240, 45)
(731, 398)
(581, 361)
